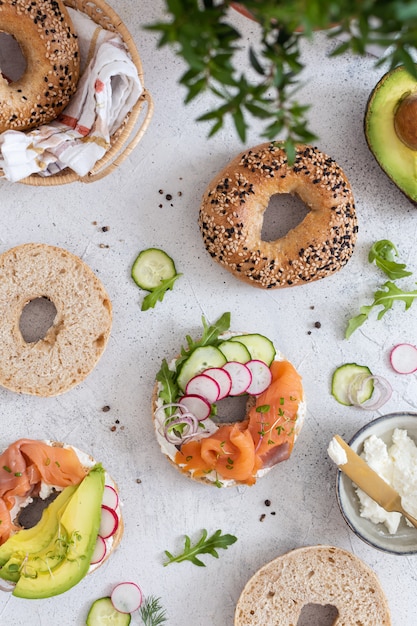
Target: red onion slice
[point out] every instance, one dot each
(381, 394)
(178, 430)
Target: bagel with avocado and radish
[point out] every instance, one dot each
(78, 529)
(186, 407)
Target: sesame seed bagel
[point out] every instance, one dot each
(321, 575)
(78, 336)
(45, 34)
(233, 207)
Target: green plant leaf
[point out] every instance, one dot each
(205, 545)
(157, 294)
(385, 298)
(383, 253)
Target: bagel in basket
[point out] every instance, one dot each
(323, 575)
(80, 331)
(198, 436)
(233, 207)
(45, 33)
(80, 523)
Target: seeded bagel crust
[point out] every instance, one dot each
(45, 34)
(80, 331)
(323, 575)
(233, 207)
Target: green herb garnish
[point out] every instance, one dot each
(383, 253)
(168, 379)
(158, 293)
(203, 546)
(152, 613)
(263, 408)
(385, 297)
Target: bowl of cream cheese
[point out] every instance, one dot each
(389, 445)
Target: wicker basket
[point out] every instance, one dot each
(124, 140)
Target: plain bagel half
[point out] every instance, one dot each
(80, 331)
(233, 207)
(322, 575)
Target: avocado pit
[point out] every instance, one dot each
(405, 120)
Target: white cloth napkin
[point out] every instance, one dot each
(107, 90)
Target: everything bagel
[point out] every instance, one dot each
(197, 434)
(322, 575)
(80, 331)
(45, 34)
(233, 207)
(80, 524)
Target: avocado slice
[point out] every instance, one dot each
(69, 554)
(383, 111)
(39, 536)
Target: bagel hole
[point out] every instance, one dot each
(231, 409)
(12, 60)
(36, 319)
(283, 213)
(30, 515)
(318, 615)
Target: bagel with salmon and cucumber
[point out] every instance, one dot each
(60, 517)
(187, 396)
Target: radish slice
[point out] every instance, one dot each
(196, 405)
(109, 522)
(99, 551)
(403, 358)
(204, 386)
(261, 377)
(241, 377)
(126, 597)
(110, 497)
(222, 378)
(381, 394)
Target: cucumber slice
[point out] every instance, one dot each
(349, 378)
(151, 267)
(260, 348)
(235, 351)
(103, 613)
(201, 359)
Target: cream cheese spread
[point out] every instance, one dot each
(336, 453)
(397, 465)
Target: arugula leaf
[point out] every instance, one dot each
(203, 546)
(152, 613)
(385, 297)
(210, 337)
(158, 293)
(383, 253)
(166, 377)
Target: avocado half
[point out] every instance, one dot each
(395, 157)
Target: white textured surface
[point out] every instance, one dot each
(175, 156)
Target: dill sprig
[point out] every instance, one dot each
(152, 612)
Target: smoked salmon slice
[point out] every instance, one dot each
(27, 463)
(237, 451)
